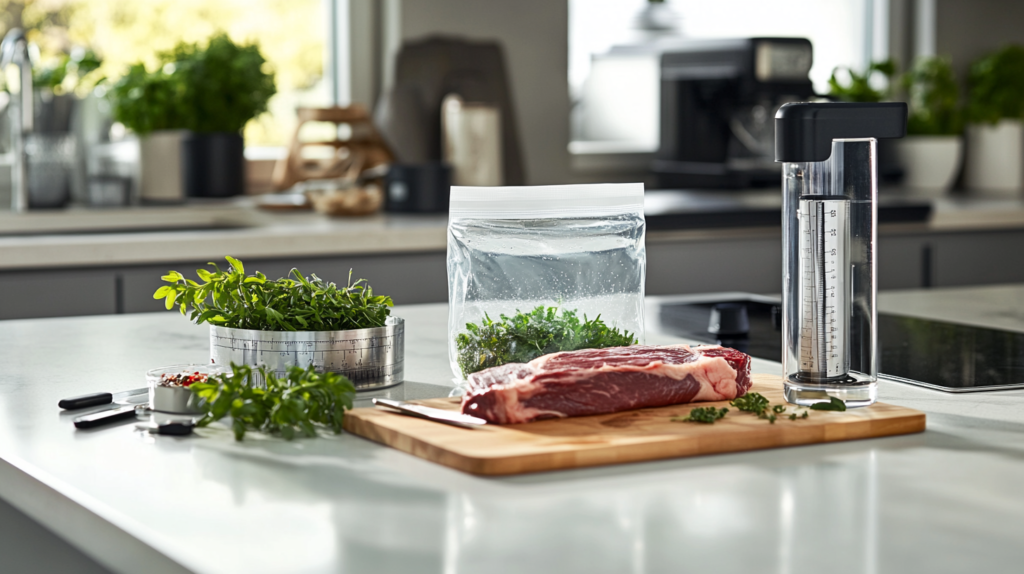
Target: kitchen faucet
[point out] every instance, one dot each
(14, 50)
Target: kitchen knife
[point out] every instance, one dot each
(93, 420)
(96, 399)
(437, 415)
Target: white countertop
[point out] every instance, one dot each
(946, 500)
(207, 230)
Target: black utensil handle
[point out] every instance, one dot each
(86, 401)
(105, 417)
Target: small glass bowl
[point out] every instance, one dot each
(174, 399)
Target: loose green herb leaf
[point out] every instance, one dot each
(287, 406)
(833, 404)
(706, 415)
(231, 299)
(526, 336)
(752, 403)
(758, 404)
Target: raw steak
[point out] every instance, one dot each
(596, 381)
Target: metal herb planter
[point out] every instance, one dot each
(370, 358)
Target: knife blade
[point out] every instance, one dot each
(437, 415)
(96, 399)
(101, 418)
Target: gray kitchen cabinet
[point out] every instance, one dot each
(407, 278)
(60, 293)
(749, 261)
(902, 261)
(977, 258)
(752, 264)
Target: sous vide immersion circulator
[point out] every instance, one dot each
(830, 214)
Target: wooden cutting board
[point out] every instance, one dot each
(630, 436)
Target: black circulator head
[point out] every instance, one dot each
(804, 131)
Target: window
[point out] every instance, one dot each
(291, 35)
(843, 33)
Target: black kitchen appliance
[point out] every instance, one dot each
(422, 188)
(939, 355)
(718, 101)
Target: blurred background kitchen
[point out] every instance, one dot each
(142, 136)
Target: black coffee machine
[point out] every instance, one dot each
(718, 103)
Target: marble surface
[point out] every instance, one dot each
(205, 231)
(946, 500)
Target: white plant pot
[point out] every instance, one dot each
(930, 163)
(995, 158)
(161, 178)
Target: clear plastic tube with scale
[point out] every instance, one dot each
(830, 188)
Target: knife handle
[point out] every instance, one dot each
(86, 401)
(104, 417)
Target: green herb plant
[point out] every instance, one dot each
(218, 87)
(996, 86)
(934, 98)
(858, 88)
(233, 299)
(705, 415)
(526, 336)
(288, 406)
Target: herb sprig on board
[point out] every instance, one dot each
(833, 404)
(758, 404)
(706, 415)
(230, 298)
(288, 406)
(754, 403)
(526, 336)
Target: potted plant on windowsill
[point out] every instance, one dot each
(995, 131)
(932, 151)
(189, 114)
(873, 85)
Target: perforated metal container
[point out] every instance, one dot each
(370, 358)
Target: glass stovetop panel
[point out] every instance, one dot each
(944, 355)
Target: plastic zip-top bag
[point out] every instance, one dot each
(536, 270)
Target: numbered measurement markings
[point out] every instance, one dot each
(370, 358)
(824, 287)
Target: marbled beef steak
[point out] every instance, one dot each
(597, 381)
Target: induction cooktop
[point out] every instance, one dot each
(939, 355)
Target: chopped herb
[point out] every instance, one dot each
(752, 403)
(526, 336)
(706, 415)
(232, 299)
(758, 404)
(833, 404)
(287, 406)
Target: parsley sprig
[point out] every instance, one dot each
(230, 298)
(758, 404)
(526, 336)
(288, 405)
(706, 415)
(754, 403)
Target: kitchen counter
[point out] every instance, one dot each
(946, 500)
(207, 230)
